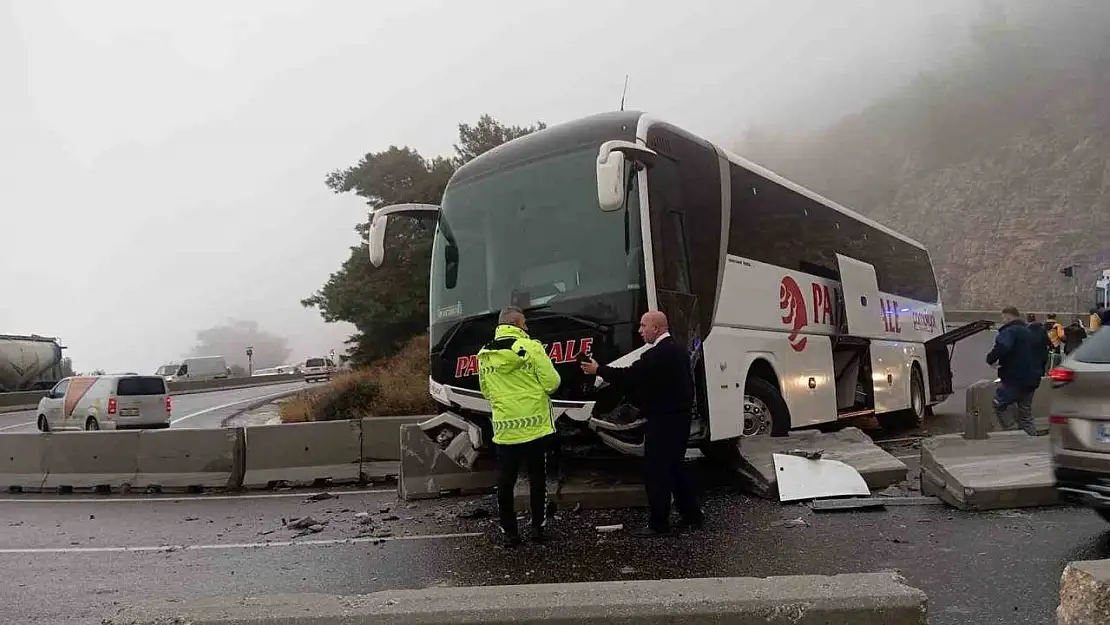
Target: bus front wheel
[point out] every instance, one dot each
(765, 411)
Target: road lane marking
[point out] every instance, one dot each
(159, 499)
(231, 546)
(234, 403)
(18, 425)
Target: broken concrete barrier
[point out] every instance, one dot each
(1085, 593)
(851, 446)
(431, 468)
(189, 459)
(979, 412)
(1007, 470)
(860, 599)
(301, 454)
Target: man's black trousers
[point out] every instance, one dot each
(511, 457)
(664, 476)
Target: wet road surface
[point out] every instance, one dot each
(195, 410)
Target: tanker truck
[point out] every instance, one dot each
(29, 363)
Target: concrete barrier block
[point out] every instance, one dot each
(381, 436)
(188, 458)
(91, 459)
(1085, 593)
(23, 461)
(428, 471)
(979, 418)
(860, 599)
(20, 401)
(302, 453)
(1007, 470)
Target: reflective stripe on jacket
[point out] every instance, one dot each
(517, 377)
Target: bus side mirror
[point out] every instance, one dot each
(377, 238)
(613, 159)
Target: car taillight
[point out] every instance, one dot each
(1061, 375)
(1058, 420)
(169, 404)
(111, 405)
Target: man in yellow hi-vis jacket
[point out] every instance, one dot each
(517, 377)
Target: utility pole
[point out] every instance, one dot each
(250, 361)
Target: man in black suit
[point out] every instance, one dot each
(665, 390)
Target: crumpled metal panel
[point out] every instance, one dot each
(801, 478)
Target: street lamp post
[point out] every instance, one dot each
(250, 361)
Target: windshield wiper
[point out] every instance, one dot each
(549, 314)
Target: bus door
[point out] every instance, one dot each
(864, 311)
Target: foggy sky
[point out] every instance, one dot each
(163, 162)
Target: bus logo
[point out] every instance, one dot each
(559, 352)
(793, 306)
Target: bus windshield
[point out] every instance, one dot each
(532, 234)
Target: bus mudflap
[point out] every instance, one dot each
(938, 353)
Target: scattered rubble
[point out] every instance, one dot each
(321, 497)
(304, 523)
(798, 522)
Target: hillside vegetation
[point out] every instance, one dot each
(999, 164)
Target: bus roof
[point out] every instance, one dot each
(629, 125)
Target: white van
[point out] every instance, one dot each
(317, 369)
(200, 368)
(106, 402)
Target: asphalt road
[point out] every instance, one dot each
(195, 410)
(78, 559)
(71, 561)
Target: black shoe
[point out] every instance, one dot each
(538, 535)
(511, 541)
(695, 524)
(649, 532)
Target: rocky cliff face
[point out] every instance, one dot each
(1000, 166)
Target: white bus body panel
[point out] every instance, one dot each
(788, 319)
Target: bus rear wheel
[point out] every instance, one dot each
(765, 411)
(914, 417)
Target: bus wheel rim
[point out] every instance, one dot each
(757, 417)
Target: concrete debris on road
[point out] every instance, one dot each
(808, 454)
(798, 522)
(304, 523)
(608, 529)
(321, 497)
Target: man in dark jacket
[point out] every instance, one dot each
(665, 392)
(1039, 332)
(1074, 335)
(1017, 353)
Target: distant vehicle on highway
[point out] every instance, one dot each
(318, 369)
(198, 368)
(1079, 425)
(106, 402)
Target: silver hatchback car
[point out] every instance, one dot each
(1079, 424)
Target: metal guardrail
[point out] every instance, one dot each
(27, 400)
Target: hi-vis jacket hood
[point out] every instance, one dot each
(517, 377)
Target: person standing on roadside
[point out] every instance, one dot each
(1017, 352)
(517, 377)
(1039, 332)
(665, 386)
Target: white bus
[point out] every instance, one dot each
(796, 311)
